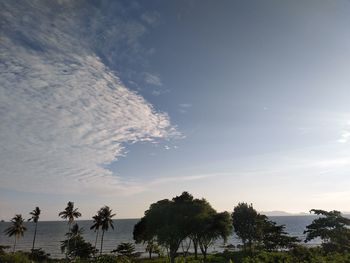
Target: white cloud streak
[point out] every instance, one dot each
(63, 113)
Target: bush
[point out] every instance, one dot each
(18, 257)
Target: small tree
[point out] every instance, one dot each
(125, 249)
(214, 226)
(75, 245)
(332, 228)
(274, 237)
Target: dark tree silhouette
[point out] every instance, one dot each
(332, 228)
(70, 213)
(106, 222)
(35, 218)
(97, 223)
(16, 229)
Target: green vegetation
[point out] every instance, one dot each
(172, 222)
(332, 228)
(125, 249)
(69, 213)
(259, 233)
(177, 229)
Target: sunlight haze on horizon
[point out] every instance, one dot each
(124, 103)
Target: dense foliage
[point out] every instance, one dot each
(332, 228)
(171, 222)
(259, 233)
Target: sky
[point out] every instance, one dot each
(124, 103)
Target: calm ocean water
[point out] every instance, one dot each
(50, 233)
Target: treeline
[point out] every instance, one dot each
(185, 222)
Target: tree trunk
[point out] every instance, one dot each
(150, 253)
(14, 245)
(96, 238)
(172, 256)
(195, 246)
(103, 233)
(36, 225)
(68, 241)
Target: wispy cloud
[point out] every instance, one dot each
(183, 107)
(64, 114)
(153, 79)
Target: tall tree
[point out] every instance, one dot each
(244, 218)
(166, 221)
(69, 213)
(16, 229)
(35, 218)
(332, 228)
(106, 222)
(97, 222)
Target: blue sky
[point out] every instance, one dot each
(127, 102)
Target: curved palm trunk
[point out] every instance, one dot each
(103, 233)
(14, 245)
(36, 225)
(96, 238)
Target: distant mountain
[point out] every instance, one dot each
(276, 213)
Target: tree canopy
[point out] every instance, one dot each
(332, 228)
(170, 222)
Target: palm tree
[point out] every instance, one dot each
(17, 229)
(35, 217)
(106, 221)
(97, 222)
(75, 233)
(70, 213)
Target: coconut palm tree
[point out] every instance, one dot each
(17, 229)
(97, 222)
(69, 213)
(35, 217)
(106, 221)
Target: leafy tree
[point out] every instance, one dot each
(214, 226)
(35, 217)
(274, 237)
(125, 249)
(256, 231)
(332, 228)
(16, 229)
(70, 213)
(167, 221)
(142, 235)
(106, 222)
(171, 222)
(244, 218)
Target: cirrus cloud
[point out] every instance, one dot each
(64, 114)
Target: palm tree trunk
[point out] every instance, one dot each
(36, 225)
(14, 245)
(68, 241)
(96, 238)
(103, 233)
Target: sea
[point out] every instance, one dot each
(51, 233)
